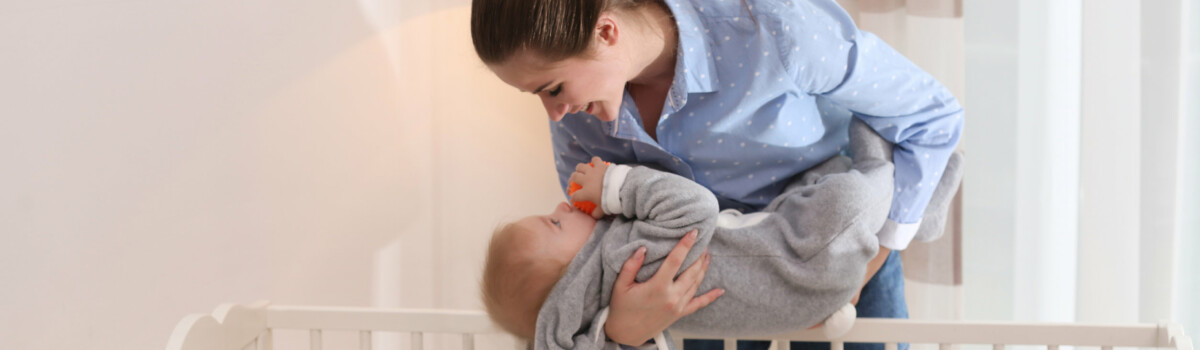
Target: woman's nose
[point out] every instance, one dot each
(554, 110)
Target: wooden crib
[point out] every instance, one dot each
(249, 327)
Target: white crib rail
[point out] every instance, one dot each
(999, 334)
(248, 327)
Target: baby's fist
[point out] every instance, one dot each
(589, 180)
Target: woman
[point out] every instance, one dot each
(737, 95)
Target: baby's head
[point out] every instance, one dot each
(525, 259)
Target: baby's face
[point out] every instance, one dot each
(562, 232)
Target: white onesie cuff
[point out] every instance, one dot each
(601, 320)
(660, 341)
(896, 236)
(610, 195)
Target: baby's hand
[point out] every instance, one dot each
(590, 179)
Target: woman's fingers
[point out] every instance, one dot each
(628, 273)
(700, 302)
(641, 310)
(691, 278)
(675, 259)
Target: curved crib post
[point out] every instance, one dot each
(230, 326)
(1172, 336)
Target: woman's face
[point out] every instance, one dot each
(594, 85)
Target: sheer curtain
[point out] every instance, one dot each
(1081, 196)
(930, 33)
(1048, 235)
(1185, 306)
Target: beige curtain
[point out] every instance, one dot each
(930, 33)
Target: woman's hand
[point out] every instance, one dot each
(641, 311)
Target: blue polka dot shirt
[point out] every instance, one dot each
(764, 90)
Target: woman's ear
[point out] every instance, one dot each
(607, 31)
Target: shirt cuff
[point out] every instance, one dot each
(614, 178)
(896, 236)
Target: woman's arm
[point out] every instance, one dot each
(873, 266)
(830, 57)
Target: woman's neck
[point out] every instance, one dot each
(654, 51)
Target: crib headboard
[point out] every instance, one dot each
(249, 327)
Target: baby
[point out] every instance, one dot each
(795, 264)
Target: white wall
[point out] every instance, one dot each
(159, 158)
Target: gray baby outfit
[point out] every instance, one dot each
(785, 268)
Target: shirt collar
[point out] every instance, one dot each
(695, 69)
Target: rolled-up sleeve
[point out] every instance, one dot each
(856, 70)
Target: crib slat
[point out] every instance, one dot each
(364, 340)
(997, 346)
(943, 346)
(967, 332)
(264, 340)
(418, 341)
(837, 345)
(730, 344)
(1051, 347)
(314, 339)
(1106, 348)
(890, 346)
(784, 344)
(468, 341)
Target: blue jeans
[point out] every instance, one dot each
(882, 297)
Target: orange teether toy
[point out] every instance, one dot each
(585, 206)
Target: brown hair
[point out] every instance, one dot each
(517, 280)
(556, 29)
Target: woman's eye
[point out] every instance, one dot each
(556, 222)
(556, 91)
